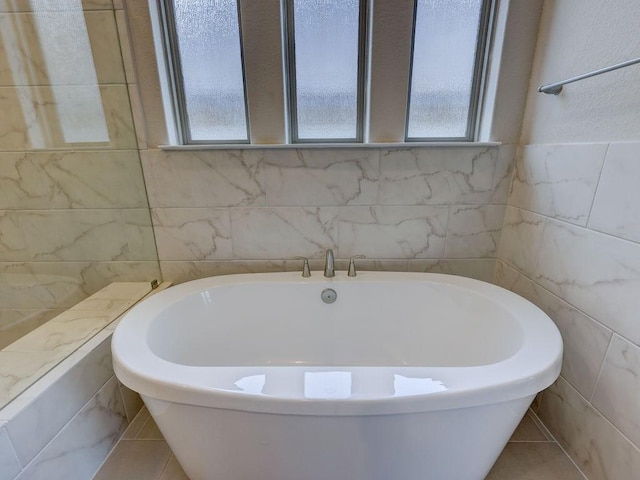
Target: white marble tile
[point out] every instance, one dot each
(585, 340)
(558, 180)
(86, 49)
(478, 268)
(61, 285)
(44, 180)
(502, 174)
(123, 291)
(597, 447)
(112, 307)
(192, 233)
(141, 244)
(617, 395)
(282, 233)
(18, 370)
(76, 116)
(212, 178)
(615, 209)
(393, 231)
(184, 271)
(596, 273)
(14, 324)
(79, 449)
(28, 287)
(44, 417)
(474, 231)
(76, 235)
(132, 402)
(64, 333)
(9, 466)
(437, 176)
(520, 239)
(313, 177)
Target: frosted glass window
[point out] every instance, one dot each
(208, 38)
(442, 77)
(326, 89)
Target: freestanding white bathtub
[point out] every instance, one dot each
(405, 376)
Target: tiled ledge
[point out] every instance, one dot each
(27, 359)
(64, 425)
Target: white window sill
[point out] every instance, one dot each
(248, 146)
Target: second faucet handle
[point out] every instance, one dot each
(352, 265)
(306, 271)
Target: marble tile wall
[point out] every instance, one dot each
(570, 244)
(428, 208)
(64, 425)
(73, 207)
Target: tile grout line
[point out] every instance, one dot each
(548, 432)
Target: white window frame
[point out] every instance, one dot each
(500, 116)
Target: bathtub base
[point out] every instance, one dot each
(460, 444)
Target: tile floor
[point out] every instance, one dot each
(142, 454)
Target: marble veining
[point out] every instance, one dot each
(45, 416)
(275, 233)
(596, 446)
(47, 285)
(193, 233)
(18, 370)
(474, 231)
(32, 120)
(557, 180)
(76, 235)
(63, 333)
(78, 450)
(520, 239)
(312, 177)
(393, 231)
(478, 268)
(214, 178)
(596, 273)
(621, 374)
(431, 176)
(34, 354)
(585, 340)
(615, 210)
(59, 180)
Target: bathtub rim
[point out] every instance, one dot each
(531, 369)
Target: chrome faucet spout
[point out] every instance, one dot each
(329, 267)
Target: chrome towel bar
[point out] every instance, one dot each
(556, 88)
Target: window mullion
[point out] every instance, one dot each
(390, 51)
(262, 47)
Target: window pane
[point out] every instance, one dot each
(326, 68)
(209, 46)
(446, 35)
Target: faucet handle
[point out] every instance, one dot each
(306, 271)
(352, 265)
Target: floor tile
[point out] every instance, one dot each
(528, 431)
(150, 431)
(136, 426)
(173, 471)
(534, 461)
(135, 460)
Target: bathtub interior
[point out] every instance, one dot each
(385, 323)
